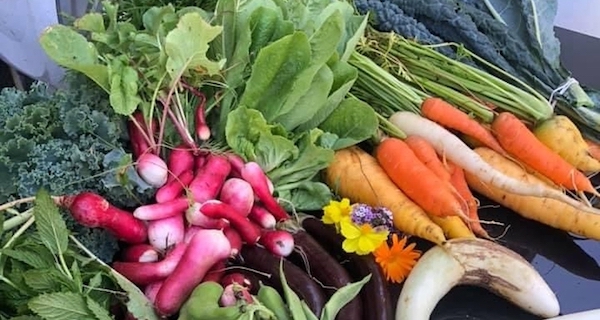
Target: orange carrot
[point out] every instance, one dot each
(426, 153)
(593, 149)
(418, 182)
(442, 112)
(459, 182)
(522, 145)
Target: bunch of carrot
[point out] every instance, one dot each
(426, 178)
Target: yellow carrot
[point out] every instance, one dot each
(554, 213)
(356, 175)
(453, 226)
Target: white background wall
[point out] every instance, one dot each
(581, 16)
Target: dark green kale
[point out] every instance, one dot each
(67, 141)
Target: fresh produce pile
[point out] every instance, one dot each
(266, 159)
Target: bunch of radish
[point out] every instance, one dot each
(206, 207)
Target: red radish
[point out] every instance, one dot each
(216, 209)
(196, 218)
(151, 290)
(262, 217)
(139, 144)
(175, 187)
(200, 162)
(237, 278)
(237, 163)
(145, 273)
(152, 169)
(93, 211)
(210, 178)
(216, 272)
(180, 160)
(235, 240)
(163, 210)
(205, 249)
(278, 242)
(166, 232)
(238, 194)
(202, 130)
(190, 231)
(234, 292)
(253, 174)
(141, 252)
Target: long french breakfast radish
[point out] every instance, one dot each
(195, 217)
(356, 175)
(253, 174)
(152, 169)
(144, 273)
(163, 210)
(180, 159)
(141, 252)
(238, 194)
(218, 210)
(235, 240)
(548, 211)
(174, 188)
(210, 178)
(419, 183)
(278, 242)
(237, 163)
(442, 112)
(151, 290)
(204, 250)
(523, 145)
(262, 217)
(93, 211)
(458, 152)
(166, 232)
(137, 135)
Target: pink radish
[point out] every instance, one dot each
(205, 249)
(216, 209)
(152, 169)
(202, 129)
(216, 272)
(237, 278)
(174, 188)
(238, 194)
(141, 252)
(161, 210)
(166, 232)
(262, 217)
(235, 240)
(180, 160)
(196, 218)
(151, 290)
(145, 273)
(93, 211)
(210, 178)
(237, 163)
(253, 174)
(199, 162)
(190, 231)
(234, 292)
(278, 242)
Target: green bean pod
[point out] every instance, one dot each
(203, 304)
(271, 299)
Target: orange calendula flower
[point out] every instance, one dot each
(335, 211)
(396, 260)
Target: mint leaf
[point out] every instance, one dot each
(123, 88)
(33, 259)
(50, 225)
(71, 50)
(99, 311)
(60, 306)
(44, 280)
(187, 44)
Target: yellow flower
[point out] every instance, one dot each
(362, 239)
(335, 211)
(398, 260)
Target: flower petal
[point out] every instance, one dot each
(349, 229)
(350, 245)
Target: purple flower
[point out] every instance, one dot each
(376, 217)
